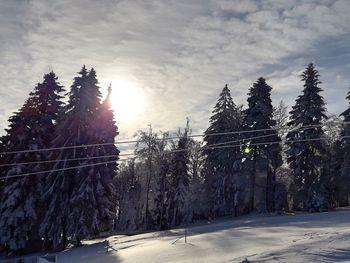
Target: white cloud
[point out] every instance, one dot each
(245, 6)
(180, 52)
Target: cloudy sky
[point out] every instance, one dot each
(175, 55)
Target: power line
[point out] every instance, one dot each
(63, 160)
(240, 145)
(81, 166)
(56, 161)
(110, 156)
(159, 139)
(125, 154)
(55, 170)
(246, 139)
(275, 142)
(180, 150)
(57, 148)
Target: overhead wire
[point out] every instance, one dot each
(159, 139)
(127, 154)
(111, 156)
(167, 152)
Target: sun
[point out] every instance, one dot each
(127, 100)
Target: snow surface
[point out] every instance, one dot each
(319, 237)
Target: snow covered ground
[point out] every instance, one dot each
(319, 237)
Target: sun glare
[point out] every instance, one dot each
(127, 100)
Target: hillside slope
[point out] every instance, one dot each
(319, 237)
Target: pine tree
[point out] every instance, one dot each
(60, 185)
(105, 132)
(221, 164)
(18, 210)
(306, 158)
(80, 198)
(259, 116)
(3, 164)
(32, 127)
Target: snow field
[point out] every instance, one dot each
(319, 237)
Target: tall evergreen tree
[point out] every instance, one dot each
(96, 186)
(32, 127)
(80, 198)
(105, 133)
(3, 164)
(259, 116)
(71, 132)
(222, 164)
(306, 157)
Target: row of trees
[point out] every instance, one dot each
(257, 158)
(75, 200)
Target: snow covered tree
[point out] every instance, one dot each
(129, 195)
(162, 166)
(332, 128)
(105, 133)
(195, 168)
(196, 159)
(179, 181)
(332, 180)
(339, 191)
(2, 165)
(280, 115)
(146, 148)
(259, 116)
(32, 127)
(307, 154)
(80, 194)
(18, 206)
(221, 165)
(60, 185)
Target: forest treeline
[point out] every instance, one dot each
(61, 179)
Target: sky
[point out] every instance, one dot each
(168, 60)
